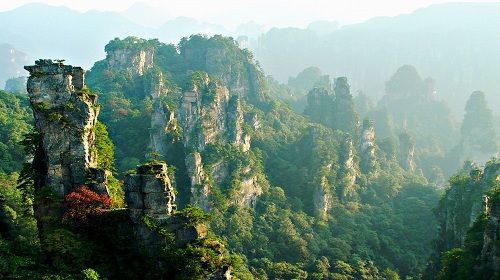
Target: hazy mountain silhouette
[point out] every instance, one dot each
(455, 43)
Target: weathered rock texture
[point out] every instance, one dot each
(207, 115)
(64, 116)
(149, 192)
(490, 254)
(462, 204)
(160, 116)
(406, 152)
(200, 188)
(368, 158)
(136, 61)
(207, 112)
(244, 81)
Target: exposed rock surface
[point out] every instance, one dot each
(200, 189)
(160, 117)
(368, 158)
(136, 61)
(462, 204)
(490, 253)
(322, 198)
(207, 112)
(149, 192)
(64, 115)
(406, 152)
(244, 81)
(347, 161)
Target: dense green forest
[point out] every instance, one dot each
(331, 187)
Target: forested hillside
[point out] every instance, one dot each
(344, 191)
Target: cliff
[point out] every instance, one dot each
(135, 60)
(463, 202)
(65, 113)
(184, 121)
(490, 253)
(221, 57)
(367, 149)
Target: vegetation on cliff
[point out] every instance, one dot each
(319, 195)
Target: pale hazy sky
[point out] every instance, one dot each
(272, 12)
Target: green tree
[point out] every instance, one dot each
(478, 124)
(346, 119)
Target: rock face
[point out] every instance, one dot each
(200, 189)
(149, 192)
(461, 205)
(160, 117)
(136, 61)
(207, 113)
(12, 62)
(490, 253)
(64, 115)
(150, 197)
(323, 197)
(241, 80)
(368, 158)
(406, 152)
(328, 189)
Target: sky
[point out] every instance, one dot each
(230, 13)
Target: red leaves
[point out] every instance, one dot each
(82, 205)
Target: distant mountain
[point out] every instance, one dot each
(145, 15)
(43, 31)
(456, 43)
(12, 62)
(173, 30)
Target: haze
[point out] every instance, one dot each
(278, 13)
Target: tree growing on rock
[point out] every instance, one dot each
(83, 205)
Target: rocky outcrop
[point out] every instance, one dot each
(151, 204)
(207, 113)
(235, 121)
(16, 85)
(12, 62)
(347, 162)
(462, 204)
(320, 106)
(490, 254)
(65, 113)
(406, 152)
(248, 190)
(324, 192)
(242, 78)
(160, 116)
(134, 60)
(323, 197)
(367, 149)
(200, 188)
(149, 192)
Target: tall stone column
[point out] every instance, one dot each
(65, 113)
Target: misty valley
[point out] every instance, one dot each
(191, 161)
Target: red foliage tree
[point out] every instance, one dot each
(82, 205)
